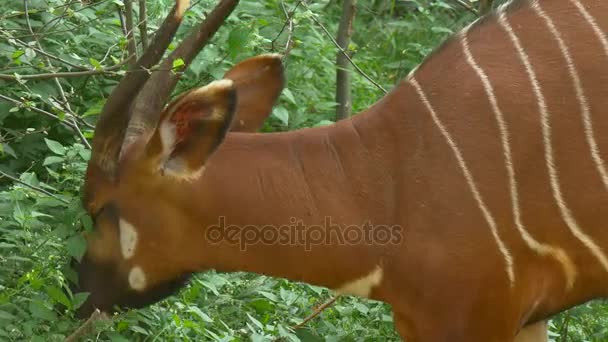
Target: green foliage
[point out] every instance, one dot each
(39, 232)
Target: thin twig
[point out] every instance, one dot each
(50, 75)
(288, 24)
(35, 188)
(467, 6)
(315, 313)
(361, 72)
(66, 104)
(37, 110)
(44, 53)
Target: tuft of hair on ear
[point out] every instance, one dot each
(191, 129)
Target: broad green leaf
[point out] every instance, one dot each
(79, 299)
(237, 40)
(58, 295)
(203, 316)
(289, 95)
(178, 63)
(52, 160)
(41, 311)
(76, 246)
(5, 316)
(55, 146)
(94, 109)
(281, 114)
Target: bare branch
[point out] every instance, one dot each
(68, 124)
(289, 25)
(57, 83)
(131, 47)
(316, 312)
(44, 76)
(44, 53)
(343, 86)
(143, 24)
(466, 5)
(361, 72)
(35, 188)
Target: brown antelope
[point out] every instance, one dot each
(487, 163)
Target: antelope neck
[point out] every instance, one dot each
(313, 182)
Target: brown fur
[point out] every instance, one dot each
(446, 279)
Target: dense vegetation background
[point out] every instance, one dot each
(45, 124)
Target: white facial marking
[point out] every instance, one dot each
(362, 287)
(128, 238)
(137, 279)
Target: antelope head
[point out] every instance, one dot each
(145, 154)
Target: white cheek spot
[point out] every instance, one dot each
(128, 238)
(363, 287)
(241, 122)
(137, 279)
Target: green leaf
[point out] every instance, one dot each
(87, 222)
(237, 40)
(95, 63)
(255, 322)
(39, 310)
(58, 295)
(289, 95)
(17, 54)
(79, 299)
(94, 109)
(281, 114)
(5, 316)
(178, 63)
(55, 147)
(76, 246)
(52, 160)
(203, 316)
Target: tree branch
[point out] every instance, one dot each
(343, 79)
(131, 46)
(361, 72)
(68, 124)
(316, 312)
(143, 24)
(35, 188)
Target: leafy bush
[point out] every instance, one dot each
(41, 214)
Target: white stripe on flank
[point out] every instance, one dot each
(546, 129)
(580, 94)
(469, 178)
(541, 249)
(596, 28)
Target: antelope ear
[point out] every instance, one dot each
(259, 82)
(191, 128)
